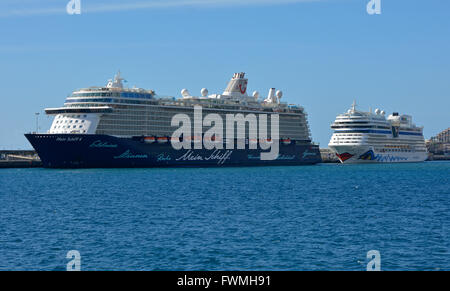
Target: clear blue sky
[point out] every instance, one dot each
(322, 54)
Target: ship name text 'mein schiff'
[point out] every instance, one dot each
(117, 127)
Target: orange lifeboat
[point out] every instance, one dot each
(162, 139)
(266, 141)
(286, 141)
(197, 139)
(253, 141)
(149, 139)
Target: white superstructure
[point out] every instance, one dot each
(366, 137)
(129, 112)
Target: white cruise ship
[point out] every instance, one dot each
(366, 137)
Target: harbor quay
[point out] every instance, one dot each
(19, 159)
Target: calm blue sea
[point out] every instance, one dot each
(324, 217)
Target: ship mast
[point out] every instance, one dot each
(117, 82)
(354, 106)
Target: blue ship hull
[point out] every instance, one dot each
(104, 151)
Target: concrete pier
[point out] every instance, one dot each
(20, 164)
(433, 157)
(19, 159)
(328, 156)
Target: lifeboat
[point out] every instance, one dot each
(162, 139)
(213, 139)
(253, 141)
(286, 141)
(149, 139)
(197, 139)
(266, 141)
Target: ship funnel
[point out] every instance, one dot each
(237, 87)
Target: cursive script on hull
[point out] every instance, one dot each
(307, 154)
(218, 155)
(101, 144)
(129, 155)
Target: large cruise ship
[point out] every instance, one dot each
(366, 137)
(114, 126)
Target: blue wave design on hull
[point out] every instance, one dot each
(371, 156)
(389, 158)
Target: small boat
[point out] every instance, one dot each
(286, 141)
(162, 139)
(197, 139)
(266, 141)
(149, 139)
(212, 139)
